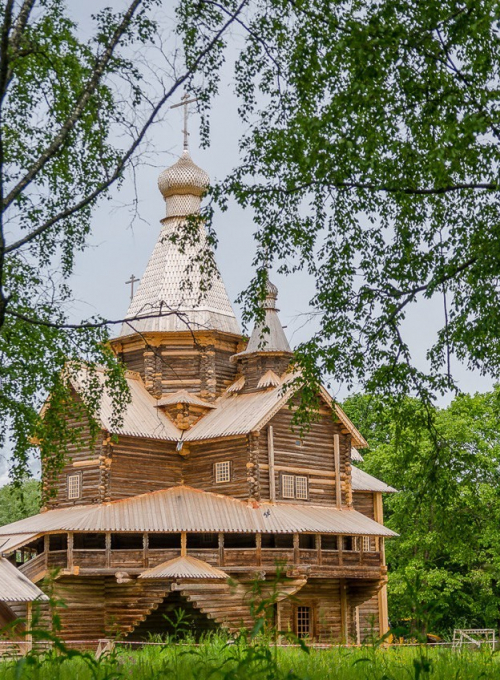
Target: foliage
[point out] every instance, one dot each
(444, 570)
(19, 501)
(216, 658)
(370, 159)
(74, 111)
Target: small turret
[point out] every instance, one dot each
(268, 352)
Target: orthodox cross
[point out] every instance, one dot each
(185, 100)
(131, 281)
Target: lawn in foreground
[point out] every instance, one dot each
(216, 660)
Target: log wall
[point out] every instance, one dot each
(310, 454)
(198, 466)
(84, 457)
(363, 502)
(141, 465)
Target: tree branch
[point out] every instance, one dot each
(126, 157)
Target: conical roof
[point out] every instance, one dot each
(174, 294)
(268, 335)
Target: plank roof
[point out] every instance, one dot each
(184, 567)
(16, 587)
(141, 418)
(182, 508)
(239, 414)
(362, 481)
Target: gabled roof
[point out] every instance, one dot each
(362, 481)
(184, 567)
(16, 587)
(356, 456)
(141, 418)
(238, 414)
(182, 508)
(183, 397)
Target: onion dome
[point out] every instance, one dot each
(183, 177)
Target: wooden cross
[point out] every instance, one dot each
(131, 281)
(185, 101)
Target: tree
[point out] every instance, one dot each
(19, 501)
(73, 116)
(444, 569)
(371, 159)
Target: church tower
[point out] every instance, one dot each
(180, 329)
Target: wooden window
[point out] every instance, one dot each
(288, 486)
(303, 622)
(74, 486)
(368, 544)
(223, 472)
(301, 490)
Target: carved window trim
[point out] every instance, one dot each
(222, 472)
(74, 486)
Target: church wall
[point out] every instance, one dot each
(84, 458)
(323, 597)
(310, 454)
(141, 465)
(197, 363)
(198, 468)
(363, 502)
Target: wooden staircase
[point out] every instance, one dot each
(230, 605)
(128, 604)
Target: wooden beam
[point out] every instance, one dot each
(344, 621)
(270, 450)
(29, 621)
(338, 487)
(108, 549)
(296, 549)
(183, 544)
(70, 551)
(221, 549)
(145, 547)
(258, 551)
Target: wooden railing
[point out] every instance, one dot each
(225, 558)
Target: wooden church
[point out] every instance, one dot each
(205, 488)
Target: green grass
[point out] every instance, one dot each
(214, 659)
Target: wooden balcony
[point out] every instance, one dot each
(313, 561)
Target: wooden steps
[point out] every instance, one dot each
(231, 605)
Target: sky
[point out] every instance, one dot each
(122, 240)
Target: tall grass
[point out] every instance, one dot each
(217, 658)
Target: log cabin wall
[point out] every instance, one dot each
(363, 502)
(254, 366)
(368, 620)
(323, 598)
(311, 454)
(84, 457)
(198, 362)
(198, 468)
(138, 466)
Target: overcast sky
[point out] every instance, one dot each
(121, 244)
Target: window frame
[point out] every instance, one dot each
(304, 634)
(292, 478)
(306, 483)
(218, 466)
(367, 544)
(74, 475)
